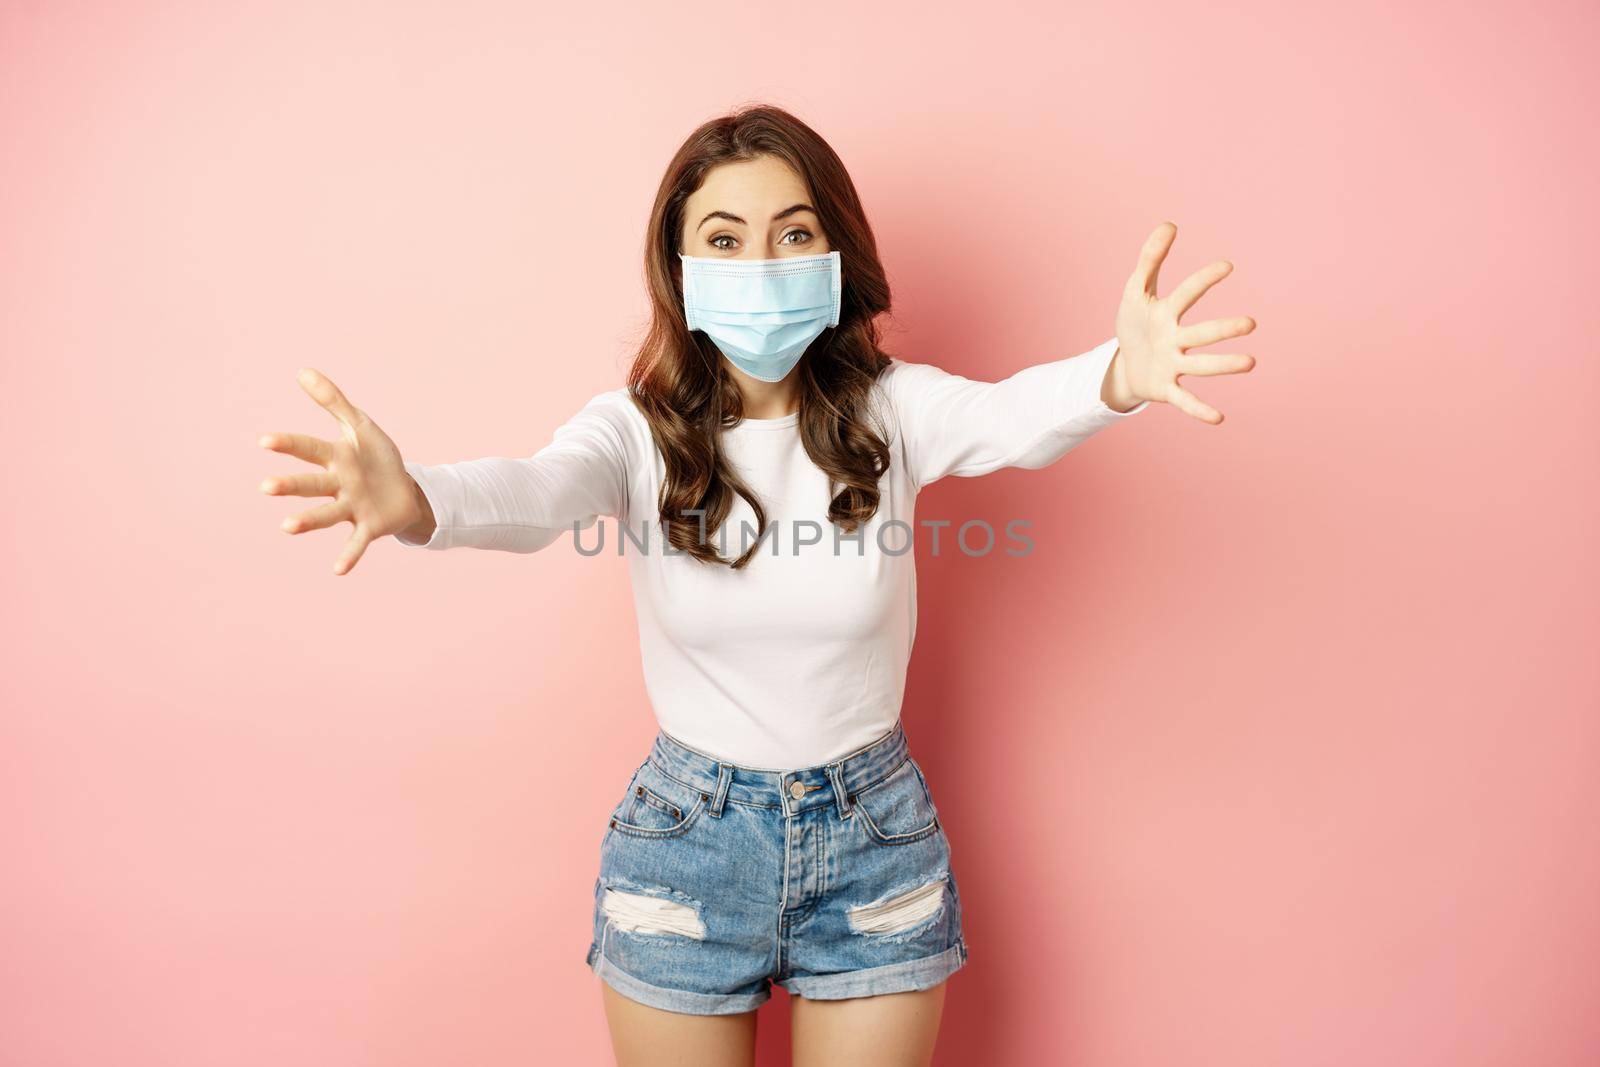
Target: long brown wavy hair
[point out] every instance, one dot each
(684, 387)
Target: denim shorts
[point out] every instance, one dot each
(717, 880)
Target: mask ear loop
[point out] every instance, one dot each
(686, 279)
(838, 287)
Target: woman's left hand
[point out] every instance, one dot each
(1152, 344)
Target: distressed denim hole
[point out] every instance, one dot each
(662, 913)
(900, 913)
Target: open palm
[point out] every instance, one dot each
(1154, 345)
(362, 470)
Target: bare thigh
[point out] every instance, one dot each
(642, 1036)
(898, 1028)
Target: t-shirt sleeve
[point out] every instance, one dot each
(951, 425)
(524, 504)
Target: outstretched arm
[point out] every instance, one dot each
(524, 504)
(518, 505)
(951, 425)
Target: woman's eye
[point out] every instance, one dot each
(726, 241)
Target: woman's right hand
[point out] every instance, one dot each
(362, 471)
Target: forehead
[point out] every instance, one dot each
(751, 184)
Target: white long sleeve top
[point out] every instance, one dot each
(801, 656)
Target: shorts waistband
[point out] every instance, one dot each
(797, 791)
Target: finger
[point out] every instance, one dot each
(301, 446)
(1189, 404)
(1151, 256)
(324, 392)
(1215, 363)
(322, 483)
(318, 517)
(1214, 330)
(354, 547)
(1195, 285)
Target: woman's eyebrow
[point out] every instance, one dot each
(785, 213)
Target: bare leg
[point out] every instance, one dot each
(890, 1030)
(642, 1036)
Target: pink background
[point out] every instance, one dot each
(1280, 749)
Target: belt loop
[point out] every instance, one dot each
(724, 779)
(841, 796)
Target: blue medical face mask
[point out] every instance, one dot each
(762, 313)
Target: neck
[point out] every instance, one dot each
(768, 400)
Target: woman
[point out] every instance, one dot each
(763, 462)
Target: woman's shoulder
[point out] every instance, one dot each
(906, 386)
(618, 407)
(906, 379)
(608, 421)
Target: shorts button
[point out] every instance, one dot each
(796, 789)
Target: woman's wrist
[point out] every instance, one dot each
(1114, 391)
(423, 522)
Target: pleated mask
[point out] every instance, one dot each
(762, 313)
